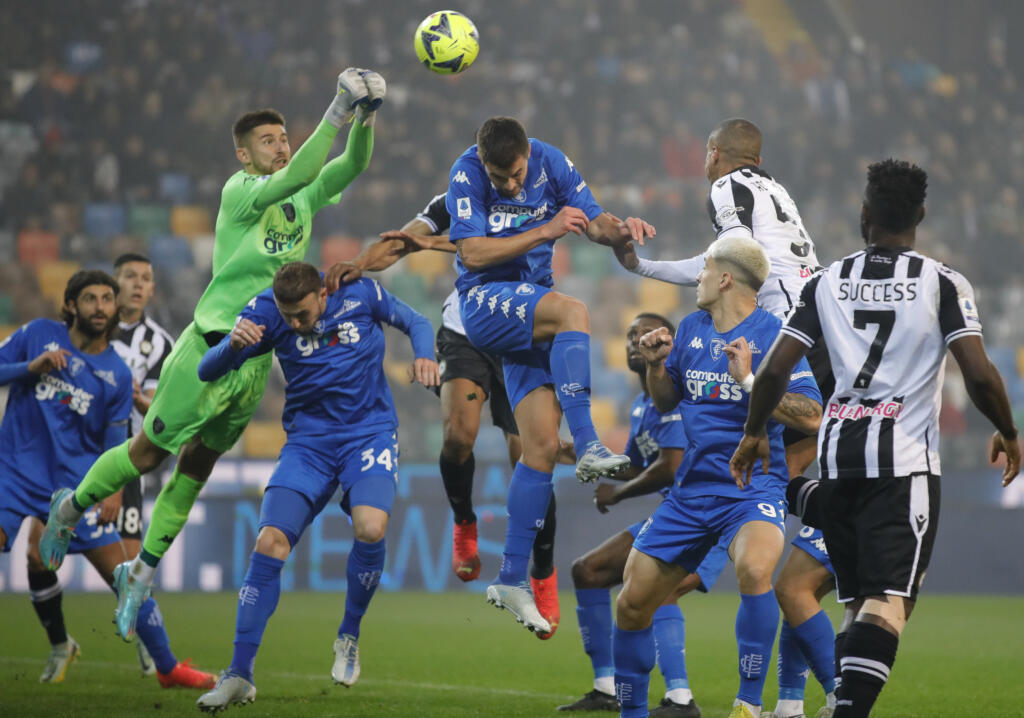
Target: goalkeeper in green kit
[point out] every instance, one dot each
(264, 222)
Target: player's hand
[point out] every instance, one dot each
(410, 241)
(741, 465)
(566, 453)
(568, 219)
(54, 360)
(109, 507)
(605, 496)
(341, 273)
(376, 88)
(738, 351)
(999, 444)
(631, 229)
(626, 254)
(246, 334)
(351, 91)
(426, 372)
(655, 346)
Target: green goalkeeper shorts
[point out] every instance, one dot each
(185, 406)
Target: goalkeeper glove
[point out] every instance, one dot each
(352, 91)
(376, 88)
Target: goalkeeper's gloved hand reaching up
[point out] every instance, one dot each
(360, 93)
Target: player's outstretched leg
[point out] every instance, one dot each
(111, 471)
(230, 690)
(543, 575)
(46, 600)
(528, 495)
(565, 321)
(134, 581)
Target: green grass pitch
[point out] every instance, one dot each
(453, 655)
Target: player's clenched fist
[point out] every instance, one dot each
(245, 334)
(655, 346)
(49, 361)
(359, 92)
(568, 219)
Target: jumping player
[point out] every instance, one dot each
(264, 221)
(342, 432)
(509, 195)
(879, 439)
(70, 397)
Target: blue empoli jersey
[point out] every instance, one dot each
(714, 406)
(477, 210)
(335, 377)
(56, 423)
(651, 431)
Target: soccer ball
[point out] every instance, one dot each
(446, 42)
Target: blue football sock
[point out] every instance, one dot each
(793, 667)
(570, 370)
(816, 639)
(757, 622)
(634, 659)
(257, 600)
(150, 628)
(670, 645)
(365, 565)
(529, 492)
(594, 612)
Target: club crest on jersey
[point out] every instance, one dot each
(463, 207)
(542, 179)
(521, 197)
(717, 345)
(289, 211)
(525, 289)
(75, 366)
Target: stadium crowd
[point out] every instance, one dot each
(113, 137)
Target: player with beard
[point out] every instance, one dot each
(70, 398)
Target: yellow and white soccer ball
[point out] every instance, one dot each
(446, 42)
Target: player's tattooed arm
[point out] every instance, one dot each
(800, 412)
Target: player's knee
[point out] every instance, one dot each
(584, 574)
(541, 451)
(272, 542)
(457, 444)
(370, 530)
(754, 577)
(34, 559)
(630, 614)
(144, 454)
(575, 317)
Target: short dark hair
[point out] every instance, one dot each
(80, 280)
(738, 138)
(130, 257)
(895, 194)
(295, 280)
(500, 140)
(658, 318)
(251, 120)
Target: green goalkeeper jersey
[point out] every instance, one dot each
(265, 221)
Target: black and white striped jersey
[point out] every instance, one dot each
(886, 317)
(435, 215)
(143, 346)
(748, 202)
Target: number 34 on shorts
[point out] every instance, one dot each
(380, 455)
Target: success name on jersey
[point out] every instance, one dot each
(874, 291)
(712, 385)
(50, 387)
(347, 333)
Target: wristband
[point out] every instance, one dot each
(748, 383)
